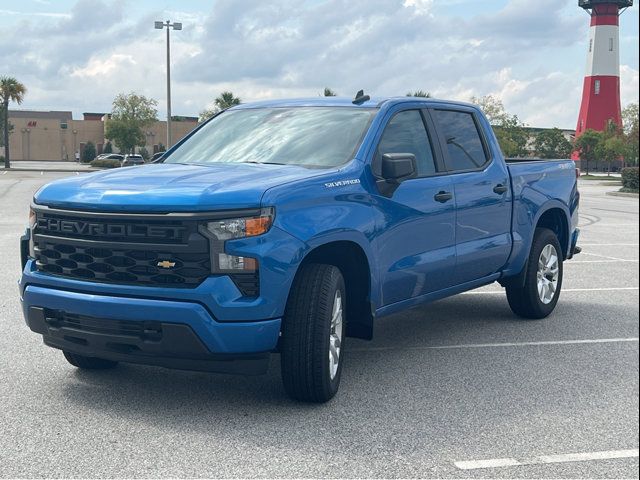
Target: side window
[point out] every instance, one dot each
(405, 133)
(464, 145)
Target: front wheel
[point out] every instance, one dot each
(543, 281)
(313, 331)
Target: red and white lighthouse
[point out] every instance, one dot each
(601, 88)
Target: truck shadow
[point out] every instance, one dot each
(374, 372)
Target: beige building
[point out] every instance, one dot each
(56, 136)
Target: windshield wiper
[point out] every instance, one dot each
(264, 163)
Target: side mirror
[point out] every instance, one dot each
(395, 169)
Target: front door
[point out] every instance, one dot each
(416, 246)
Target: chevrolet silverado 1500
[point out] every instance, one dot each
(286, 226)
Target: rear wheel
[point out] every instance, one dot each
(543, 282)
(88, 363)
(313, 331)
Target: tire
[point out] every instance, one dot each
(528, 301)
(88, 363)
(313, 332)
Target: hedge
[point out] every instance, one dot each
(106, 163)
(630, 178)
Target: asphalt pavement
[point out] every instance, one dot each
(459, 388)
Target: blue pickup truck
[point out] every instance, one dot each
(286, 226)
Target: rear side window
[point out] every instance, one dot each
(464, 144)
(405, 133)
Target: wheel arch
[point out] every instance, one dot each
(352, 260)
(556, 220)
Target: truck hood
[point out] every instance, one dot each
(170, 187)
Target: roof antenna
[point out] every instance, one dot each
(360, 98)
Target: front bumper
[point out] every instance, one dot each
(190, 338)
(171, 345)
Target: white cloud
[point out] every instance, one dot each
(288, 48)
(629, 79)
(116, 63)
(421, 7)
(36, 14)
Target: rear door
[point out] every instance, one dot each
(482, 191)
(416, 243)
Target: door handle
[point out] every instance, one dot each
(443, 196)
(500, 189)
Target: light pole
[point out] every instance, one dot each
(176, 26)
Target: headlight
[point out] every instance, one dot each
(231, 228)
(219, 231)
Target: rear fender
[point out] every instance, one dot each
(516, 271)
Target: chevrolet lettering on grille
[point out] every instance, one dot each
(78, 227)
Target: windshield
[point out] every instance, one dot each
(307, 136)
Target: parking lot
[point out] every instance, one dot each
(459, 388)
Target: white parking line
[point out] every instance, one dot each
(599, 224)
(545, 459)
(567, 290)
(602, 256)
(573, 262)
(610, 244)
(5, 172)
(588, 341)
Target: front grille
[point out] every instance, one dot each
(123, 266)
(126, 250)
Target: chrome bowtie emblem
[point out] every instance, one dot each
(166, 264)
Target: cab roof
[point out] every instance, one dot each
(376, 102)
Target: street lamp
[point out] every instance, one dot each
(175, 26)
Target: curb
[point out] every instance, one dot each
(623, 194)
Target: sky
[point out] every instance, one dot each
(79, 54)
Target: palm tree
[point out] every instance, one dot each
(226, 100)
(419, 93)
(11, 90)
(328, 92)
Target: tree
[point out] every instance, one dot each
(612, 145)
(327, 92)
(586, 145)
(552, 144)
(108, 148)
(509, 130)
(129, 115)
(419, 93)
(223, 101)
(89, 152)
(11, 90)
(611, 149)
(631, 133)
